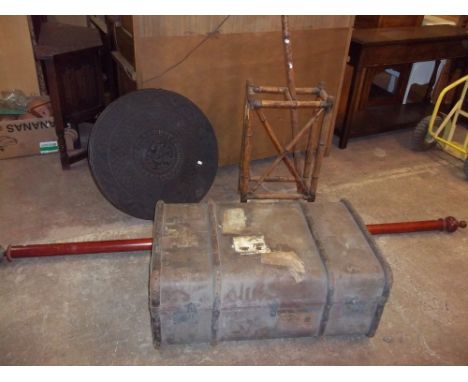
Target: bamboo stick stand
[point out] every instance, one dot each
(313, 133)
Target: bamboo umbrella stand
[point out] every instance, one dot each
(304, 173)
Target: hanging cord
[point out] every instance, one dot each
(191, 51)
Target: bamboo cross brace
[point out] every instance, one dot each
(312, 142)
(320, 152)
(284, 151)
(282, 157)
(294, 119)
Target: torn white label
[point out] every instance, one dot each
(250, 245)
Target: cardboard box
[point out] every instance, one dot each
(24, 137)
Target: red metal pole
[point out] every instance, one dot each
(449, 224)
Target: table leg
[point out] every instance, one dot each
(54, 94)
(353, 103)
(430, 86)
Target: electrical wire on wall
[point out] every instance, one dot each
(191, 51)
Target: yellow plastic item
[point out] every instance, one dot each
(444, 133)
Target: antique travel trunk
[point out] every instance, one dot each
(235, 271)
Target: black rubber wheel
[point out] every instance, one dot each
(151, 145)
(421, 140)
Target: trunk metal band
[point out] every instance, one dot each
(216, 273)
(323, 257)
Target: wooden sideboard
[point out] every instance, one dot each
(375, 49)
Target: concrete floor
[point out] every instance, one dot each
(93, 309)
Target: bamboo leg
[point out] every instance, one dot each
(307, 157)
(310, 150)
(246, 150)
(313, 141)
(319, 154)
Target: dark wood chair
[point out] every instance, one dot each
(70, 56)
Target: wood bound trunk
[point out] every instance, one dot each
(233, 271)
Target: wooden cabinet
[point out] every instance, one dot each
(189, 55)
(389, 21)
(71, 58)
